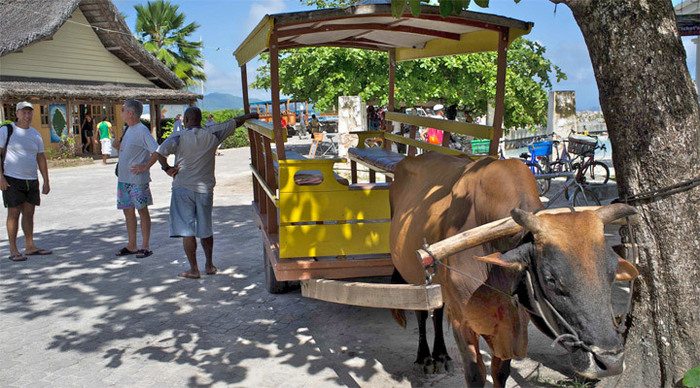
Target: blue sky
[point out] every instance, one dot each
(225, 23)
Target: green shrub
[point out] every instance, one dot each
(238, 139)
(66, 149)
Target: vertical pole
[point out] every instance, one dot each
(697, 63)
(244, 85)
(391, 103)
(275, 89)
(253, 147)
(69, 126)
(500, 91)
(152, 113)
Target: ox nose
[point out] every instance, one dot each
(609, 362)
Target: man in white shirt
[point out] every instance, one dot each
(191, 201)
(133, 191)
(22, 153)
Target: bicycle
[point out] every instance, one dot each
(537, 161)
(593, 171)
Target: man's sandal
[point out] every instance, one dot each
(17, 257)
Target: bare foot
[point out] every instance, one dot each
(189, 275)
(211, 270)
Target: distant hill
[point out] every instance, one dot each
(216, 101)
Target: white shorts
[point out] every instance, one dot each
(106, 146)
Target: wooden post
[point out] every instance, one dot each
(391, 103)
(271, 180)
(500, 92)
(152, 113)
(251, 139)
(412, 134)
(244, 85)
(275, 89)
(69, 126)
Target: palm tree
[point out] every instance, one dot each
(161, 29)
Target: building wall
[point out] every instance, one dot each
(74, 53)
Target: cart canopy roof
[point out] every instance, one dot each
(373, 27)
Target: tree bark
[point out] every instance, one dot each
(651, 110)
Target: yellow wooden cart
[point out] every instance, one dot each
(314, 224)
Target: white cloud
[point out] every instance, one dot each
(228, 80)
(221, 80)
(262, 8)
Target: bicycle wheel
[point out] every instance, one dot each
(597, 173)
(542, 184)
(583, 196)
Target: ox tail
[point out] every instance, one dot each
(398, 315)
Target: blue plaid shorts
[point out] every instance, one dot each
(130, 195)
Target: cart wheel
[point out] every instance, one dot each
(271, 284)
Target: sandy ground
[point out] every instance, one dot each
(83, 317)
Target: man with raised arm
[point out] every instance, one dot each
(192, 196)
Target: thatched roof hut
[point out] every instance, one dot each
(26, 22)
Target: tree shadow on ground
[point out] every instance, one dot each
(117, 308)
(218, 328)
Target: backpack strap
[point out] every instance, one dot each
(10, 128)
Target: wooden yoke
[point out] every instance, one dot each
(500, 91)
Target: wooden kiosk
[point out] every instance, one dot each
(315, 224)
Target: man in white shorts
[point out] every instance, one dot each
(192, 196)
(105, 134)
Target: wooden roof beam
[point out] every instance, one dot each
(369, 26)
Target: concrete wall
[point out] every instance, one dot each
(74, 53)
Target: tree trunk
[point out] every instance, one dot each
(651, 110)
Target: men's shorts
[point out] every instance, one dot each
(133, 196)
(106, 146)
(21, 191)
(190, 213)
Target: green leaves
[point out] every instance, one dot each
(322, 74)
(691, 379)
(162, 31)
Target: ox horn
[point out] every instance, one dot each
(508, 227)
(614, 212)
(527, 220)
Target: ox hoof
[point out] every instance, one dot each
(443, 363)
(427, 366)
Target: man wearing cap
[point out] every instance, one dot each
(23, 151)
(191, 200)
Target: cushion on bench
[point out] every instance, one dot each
(307, 178)
(377, 157)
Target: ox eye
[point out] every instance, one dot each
(553, 284)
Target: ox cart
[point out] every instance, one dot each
(316, 225)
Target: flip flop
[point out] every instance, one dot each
(141, 253)
(39, 252)
(189, 275)
(125, 251)
(17, 257)
(212, 271)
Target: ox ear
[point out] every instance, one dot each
(516, 259)
(626, 271)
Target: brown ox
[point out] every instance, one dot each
(435, 196)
